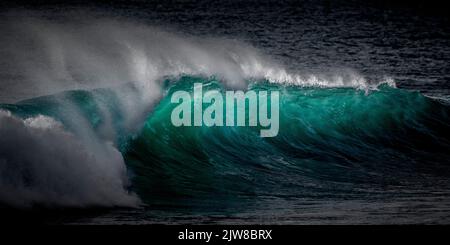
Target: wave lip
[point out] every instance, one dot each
(51, 57)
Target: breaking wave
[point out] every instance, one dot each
(101, 135)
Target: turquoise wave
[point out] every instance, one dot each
(332, 143)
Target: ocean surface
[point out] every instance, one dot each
(86, 135)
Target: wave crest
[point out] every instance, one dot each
(51, 57)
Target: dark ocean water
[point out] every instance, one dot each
(352, 148)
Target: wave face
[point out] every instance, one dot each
(333, 143)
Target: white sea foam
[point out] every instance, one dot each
(41, 163)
